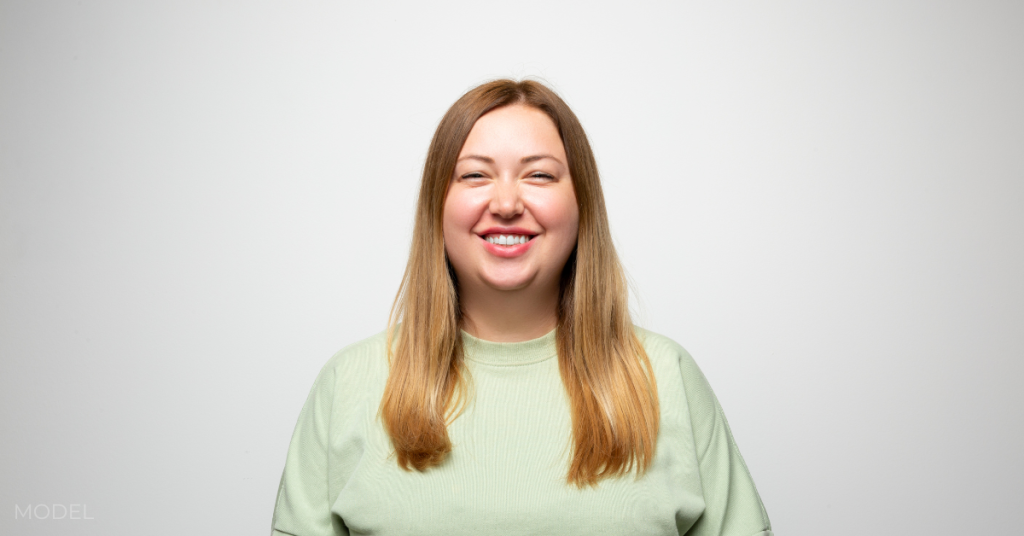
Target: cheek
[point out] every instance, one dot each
(558, 214)
(571, 227)
(459, 217)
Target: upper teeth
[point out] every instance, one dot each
(507, 240)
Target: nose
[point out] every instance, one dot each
(506, 202)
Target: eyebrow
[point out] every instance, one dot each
(534, 158)
(524, 160)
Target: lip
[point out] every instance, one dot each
(507, 252)
(507, 231)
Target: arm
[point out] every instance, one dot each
(303, 499)
(732, 504)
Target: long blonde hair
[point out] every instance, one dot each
(607, 375)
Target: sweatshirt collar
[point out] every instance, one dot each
(509, 353)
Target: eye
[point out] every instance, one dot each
(541, 175)
(472, 175)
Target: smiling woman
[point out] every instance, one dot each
(511, 392)
(510, 223)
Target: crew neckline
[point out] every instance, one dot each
(509, 353)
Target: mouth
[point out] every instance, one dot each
(507, 240)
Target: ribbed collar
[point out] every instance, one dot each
(510, 353)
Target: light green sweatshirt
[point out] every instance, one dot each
(510, 454)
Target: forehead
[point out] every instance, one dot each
(515, 129)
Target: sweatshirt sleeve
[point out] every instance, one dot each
(304, 499)
(732, 504)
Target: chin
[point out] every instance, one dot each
(507, 283)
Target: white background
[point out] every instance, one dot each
(201, 202)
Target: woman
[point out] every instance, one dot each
(511, 393)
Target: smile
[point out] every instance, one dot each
(507, 240)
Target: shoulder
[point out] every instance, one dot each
(663, 351)
(369, 352)
(676, 371)
(358, 366)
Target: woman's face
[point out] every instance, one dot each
(510, 217)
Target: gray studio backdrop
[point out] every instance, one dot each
(201, 202)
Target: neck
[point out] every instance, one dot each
(509, 315)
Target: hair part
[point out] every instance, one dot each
(604, 368)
